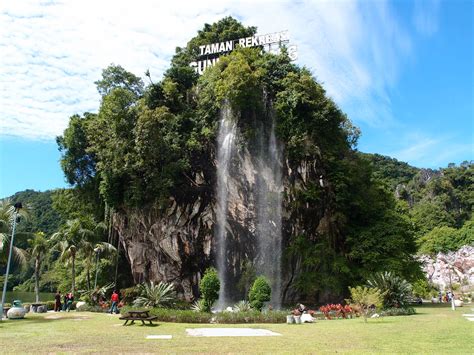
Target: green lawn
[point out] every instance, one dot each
(432, 330)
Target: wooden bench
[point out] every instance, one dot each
(142, 316)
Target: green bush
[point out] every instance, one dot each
(398, 312)
(199, 306)
(364, 298)
(189, 316)
(209, 287)
(251, 317)
(129, 294)
(92, 308)
(396, 291)
(260, 293)
(422, 288)
(242, 306)
(152, 295)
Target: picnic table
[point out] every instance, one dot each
(141, 315)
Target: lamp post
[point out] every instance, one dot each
(17, 207)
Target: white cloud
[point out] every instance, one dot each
(426, 151)
(53, 51)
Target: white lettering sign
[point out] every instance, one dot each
(271, 42)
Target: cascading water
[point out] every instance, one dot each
(256, 201)
(225, 141)
(269, 204)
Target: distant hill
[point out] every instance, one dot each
(43, 217)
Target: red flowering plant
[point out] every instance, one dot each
(338, 309)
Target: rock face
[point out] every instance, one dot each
(451, 268)
(176, 243)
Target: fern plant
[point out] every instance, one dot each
(152, 295)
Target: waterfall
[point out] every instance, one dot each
(261, 199)
(225, 141)
(269, 208)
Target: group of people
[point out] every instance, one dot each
(448, 296)
(69, 299)
(67, 304)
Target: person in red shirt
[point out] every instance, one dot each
(115, 300)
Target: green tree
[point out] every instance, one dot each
(364, 298)
(7, 213)
(209, 287)
(260, 293)
(80, 238)
(39, 247)
(114, 76)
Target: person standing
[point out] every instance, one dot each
(57, 301)
(114, 299)
(65, 301)
(70, 300)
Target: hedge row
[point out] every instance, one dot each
(189, 316)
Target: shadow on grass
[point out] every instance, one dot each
(42, 320)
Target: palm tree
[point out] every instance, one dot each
(91, 247)
(39, 247)
(80, 237)
(66, 242)
(105, 249)
(7, 213)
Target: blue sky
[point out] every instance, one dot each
(401, 70)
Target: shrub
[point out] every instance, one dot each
(129, 294)
(199, 306)
(398, 312)
(365, 299)
(422, 288)
(396, 291)
(209, 287)
(337, 310)
(92, 308)
(259, 293)
(252, 316)
(152, 295)
(242, 306)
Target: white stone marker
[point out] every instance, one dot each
(159, 336)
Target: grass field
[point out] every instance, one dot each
(433, 330)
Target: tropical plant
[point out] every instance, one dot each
(260, 293)
(364, 299)
(209, 287)
(397, 292)
(7, 213)
(39, 247)
(242, 306)
(81, 237)
(199, 305)
(66, 242)
(152, 295)
(93, 296)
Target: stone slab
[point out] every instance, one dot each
(159, 336)
(468, 315)
(471, 319)
(230, 332)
